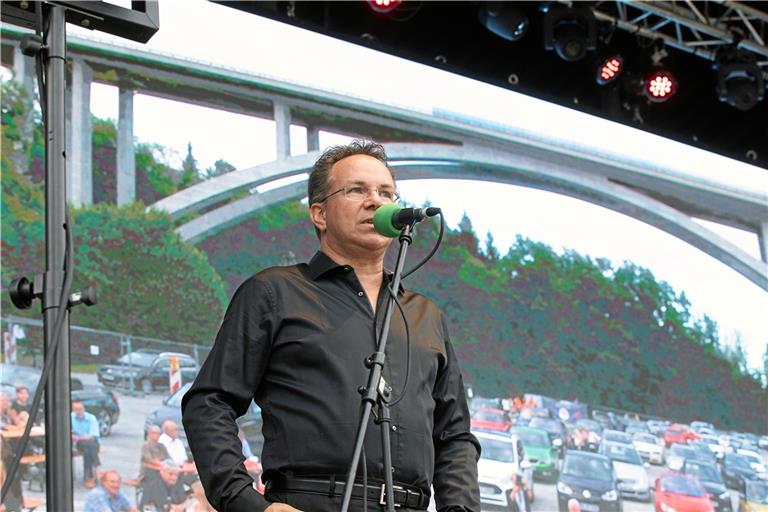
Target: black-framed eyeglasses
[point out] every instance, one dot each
(361, 193)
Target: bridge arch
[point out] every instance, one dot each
(639, 194)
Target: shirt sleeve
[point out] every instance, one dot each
(456, 449)
(223, 391)
(93, 427)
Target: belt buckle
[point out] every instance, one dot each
(383, 494)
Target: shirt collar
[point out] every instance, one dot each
(321, 263)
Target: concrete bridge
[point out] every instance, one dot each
(432, 145)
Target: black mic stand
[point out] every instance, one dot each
(378, 392)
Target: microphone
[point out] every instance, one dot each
(390, 219)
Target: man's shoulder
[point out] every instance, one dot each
(274, 278)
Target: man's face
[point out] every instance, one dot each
(153, 436)
(22, 395)
(172, 430)
(79, 409)
(347, 224)
(170, 476)
(111, 483)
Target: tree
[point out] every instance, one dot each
(219, 168)
(190, 174)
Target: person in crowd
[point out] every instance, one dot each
(519, 499)
(295, 338)
(85, 436)
(200, 502)
(20, 404)
(153, 453)
(6, 418)
(172, 443)
(108, 497)
(167, 493)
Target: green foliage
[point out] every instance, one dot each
(219, 168)
(190, 173)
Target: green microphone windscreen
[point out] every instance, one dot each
(382, 220)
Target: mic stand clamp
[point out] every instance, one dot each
(378, 392)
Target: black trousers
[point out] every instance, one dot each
(321, 503)
(90, 451)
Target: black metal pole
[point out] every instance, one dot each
(58, 432)
(374, 393)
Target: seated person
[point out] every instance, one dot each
(21, 404)
(167, 493)
(152, 455)
(85, 435)
(108, 497)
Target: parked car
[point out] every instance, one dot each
(676, 456)
(617, 436)
(649, 447)
(250, 422)
(657, 427)
(755, 497)
(588, 478)
(502, 457)
(715, 445)
(486, 418)
(585, 434)
(702, 427)
(541, 453)
(554, 429)
(97, 400)
(678, 433)
(754, 458)
(674, 491)
(763, 442)
(703, 452)
(630, 470)
(736, 469)
(709, 477)
(148, 369)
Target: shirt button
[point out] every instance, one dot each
(394, 428)
(359, 294)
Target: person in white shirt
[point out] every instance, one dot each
(172, 443)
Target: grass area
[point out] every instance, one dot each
(84, 367)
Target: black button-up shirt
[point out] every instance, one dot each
(294, 339)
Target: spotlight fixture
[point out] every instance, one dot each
(609, 69)
(740, 81)
(384, 6)
(504, 19)
(659, 85)
(570, 31)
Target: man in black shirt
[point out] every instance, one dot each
(164, 492)
(294, 339)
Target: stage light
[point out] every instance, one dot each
(739, 79)
(570, 31)
(504, 19)
(659, 86)
(384, 6)
(609, 69)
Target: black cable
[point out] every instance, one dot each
(432, 252)
(50, 359)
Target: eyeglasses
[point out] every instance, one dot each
(360, 193)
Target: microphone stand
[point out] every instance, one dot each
(378, 392)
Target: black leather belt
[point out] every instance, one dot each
(406, 496)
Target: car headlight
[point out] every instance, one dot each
(564, 489)
(667, 508)
(610, 496)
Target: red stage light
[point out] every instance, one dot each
(610, 69)
(659, 86)
(384, 6)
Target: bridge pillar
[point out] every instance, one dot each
(762, 237)
(79, 136)
(126, 156)
(313, 139)
(24, 73)
(282, 115)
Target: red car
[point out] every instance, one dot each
(491, 419)
(678, 433)
(681, 493)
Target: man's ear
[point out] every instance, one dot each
(317, 215)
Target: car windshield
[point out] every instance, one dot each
(534, 438)
(137, 359)
(682, 485)
(681, 450)
(588, 467)
(501, 451)
(703, 472)
(621, 437)
(622, 453)
(645, 438)
(737, 460)
(752, 458)
(757, 491)
(590, 425)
